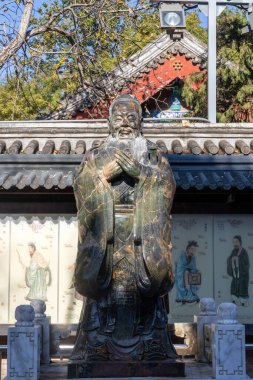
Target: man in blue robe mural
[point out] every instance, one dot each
(238, 268)
(187, 275)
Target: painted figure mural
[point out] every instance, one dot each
(37, 275)
(238, 268)
(124, 192)
(187, 276)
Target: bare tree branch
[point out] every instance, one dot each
(20, 38)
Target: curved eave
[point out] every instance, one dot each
(56, 172)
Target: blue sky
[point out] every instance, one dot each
(38, 3)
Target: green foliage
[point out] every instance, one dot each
(99, 38)
(92, 41)
(21, 100)
(194, 94)
(136, 38)
(234, 73)
(193, 25)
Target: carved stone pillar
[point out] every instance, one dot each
(206, 316)
(23, 346)
(44, 322)
(228, 348)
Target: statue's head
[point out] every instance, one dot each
(125, 116)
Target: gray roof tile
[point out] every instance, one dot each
(190, 171)
(200, 147)
(184, 179)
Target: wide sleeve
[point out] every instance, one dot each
(229, 265)
(155, 197)
(245, 265)
(94, 208)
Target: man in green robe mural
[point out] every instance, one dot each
(238, 268)
(37, 275)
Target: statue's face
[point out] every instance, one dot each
(125, 120)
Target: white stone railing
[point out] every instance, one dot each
(221, 340)
(24, 346)
(206, 317)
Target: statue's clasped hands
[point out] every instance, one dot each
(122, 162)
(111, 170)
(128, 164)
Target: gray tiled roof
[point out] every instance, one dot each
(45, 155)
(37, 171)
(78, 146)
(57, 172)
(35, 179)
(213, 172)
(213, 180)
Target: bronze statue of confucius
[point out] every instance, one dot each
(124, 192)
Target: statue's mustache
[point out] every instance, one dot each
(125, 129)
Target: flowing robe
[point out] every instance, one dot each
(37, 278)
(238, 268)
(185, 265)
(149, 273)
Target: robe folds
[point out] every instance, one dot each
(238, 268)
(153, 196)
(37, 278)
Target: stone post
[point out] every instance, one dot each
(23, 346)
(0, 365)
(228, 351)
(44, 322)
(206, 316)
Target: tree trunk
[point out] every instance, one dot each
(9, 50)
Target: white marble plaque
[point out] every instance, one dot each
(233, 263)
(192, 255)
(4, 268)
(34, 263)
(70, 302)
(23, 353)
(228, 351)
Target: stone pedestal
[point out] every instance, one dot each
(206, 316)
(23, 346)
(162, 368)
(228, 351)
(44, 322)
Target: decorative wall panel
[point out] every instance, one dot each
(34, 263)
(70, 302)
(233, 263)
(202, 245)
(192, 242)
(4, 268)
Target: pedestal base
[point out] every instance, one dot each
(163, 368)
